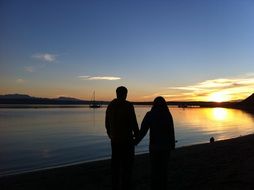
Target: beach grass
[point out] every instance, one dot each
(227, 164)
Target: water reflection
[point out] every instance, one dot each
(57, 136)
(220, 114)
(203, 123)
(45, 153)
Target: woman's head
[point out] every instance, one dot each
(160, 103)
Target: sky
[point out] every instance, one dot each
(179, 49)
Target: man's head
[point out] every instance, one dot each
(121, 93)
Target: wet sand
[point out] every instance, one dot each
(225, 164)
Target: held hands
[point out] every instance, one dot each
(173, 145)
(136, 141)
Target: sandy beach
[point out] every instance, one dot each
(227, 164)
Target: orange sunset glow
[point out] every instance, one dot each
(156, 53)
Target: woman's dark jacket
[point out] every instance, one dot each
(160, 123)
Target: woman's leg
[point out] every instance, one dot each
(159, 169)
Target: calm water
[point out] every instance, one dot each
(38, 138)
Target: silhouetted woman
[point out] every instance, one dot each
(162, 141)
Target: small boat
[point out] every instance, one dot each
(93, 103)
(182, 106)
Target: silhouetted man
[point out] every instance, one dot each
(122, 128)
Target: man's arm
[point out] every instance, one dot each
(134, 122)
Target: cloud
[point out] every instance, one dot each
(220, 89)
(212, 84)
(217, 84)
(30, 69)
(111, 78)
(47, 57)
(229, 88)
(20, 81)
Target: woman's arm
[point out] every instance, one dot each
(144, 128)
(172, 133)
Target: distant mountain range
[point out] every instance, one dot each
(248, 103)
(15, 96)
(26, 99)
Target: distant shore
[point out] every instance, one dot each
(17, 100)
(227, 164)
(43, 106)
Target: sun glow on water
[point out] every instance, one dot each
(220, 114)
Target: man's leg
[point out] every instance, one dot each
(116, 166)
(128, 161)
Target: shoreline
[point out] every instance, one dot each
(24, 172)
(77, 163)
(225, 164)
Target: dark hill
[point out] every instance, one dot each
(15, 96)
(26, 99)
(67, 98)
(249, 100)
(247, 104)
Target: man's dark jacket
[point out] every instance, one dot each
(121, 123)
